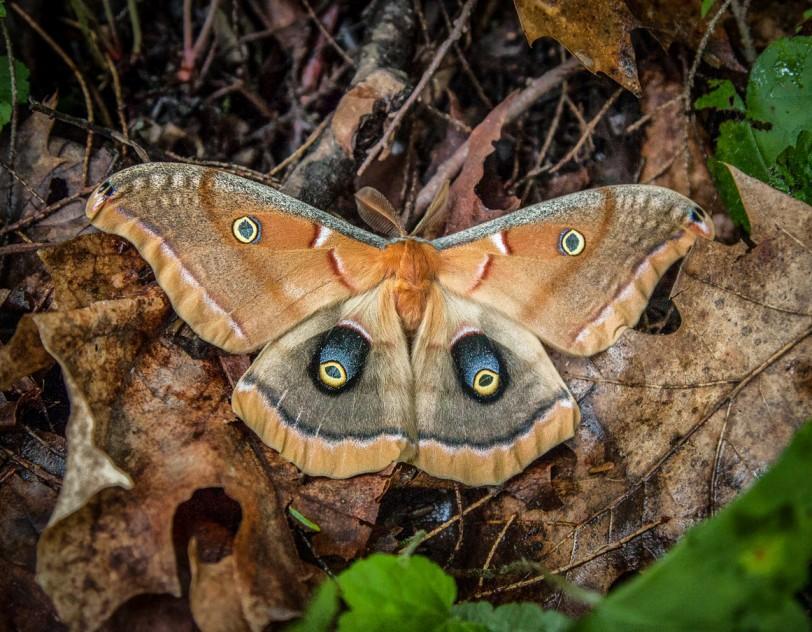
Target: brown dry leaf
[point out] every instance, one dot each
(52, 166)
(673, 157)
(149, 427)
(671, 22)
(597, 32)
(95, 268)
(688, 420)
(28, 488)
(465, 208)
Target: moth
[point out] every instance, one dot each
(381, 349)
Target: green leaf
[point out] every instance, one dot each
(779, 94)
(792, 171)
(706, 6)
(513, 617)
(21, 73)
(738, 571)
(321, 611)
(2, 9)
(386, 592)
(723, 97)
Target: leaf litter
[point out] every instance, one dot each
(165, 492)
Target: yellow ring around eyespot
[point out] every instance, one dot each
(332, 381)
(491, 380)
(245, 229)
(577, 250)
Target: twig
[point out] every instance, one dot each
(336, 46)
(717, 457)
(300, 151)
(192, 51)
(459, 26)
(606, 548)
(91, 127)
(520, 103)
(22, 181)
(12, 142)
(647, 117)
(493, 548)
(135, 23)
(587, 133)
(740, 13)
(122, 118)
(545, 147)
(437, 530)
(45, 212)
(36, 470)
(79, 78)
(16, 249)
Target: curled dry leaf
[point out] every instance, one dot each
(359, 102)
(465, 208)
(149, 427)
(597, 32)
(91, 269)
(688, 419)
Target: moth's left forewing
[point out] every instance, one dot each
(579, 270)
(240, 262)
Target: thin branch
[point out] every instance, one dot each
(45, 212)
(460, 25)
(606, 548)
(301, 150)
(437, 530)
(79, 78)
(520, 103)
(588, 131)
(330, 39)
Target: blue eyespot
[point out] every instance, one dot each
(340, 360)
(479, 368)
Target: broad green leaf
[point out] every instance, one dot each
(321, 611)
(21, 73)
(386, 592)
(513, 617)
(792, 171)
(738, 571)
(779, 95)
(722, 96)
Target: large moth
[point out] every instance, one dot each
(381, 349)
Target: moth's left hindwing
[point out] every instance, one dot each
(334, 394)
(240, 262)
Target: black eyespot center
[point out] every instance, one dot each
(480, 370)
(696, 215)
(245, 228)
(339, 360)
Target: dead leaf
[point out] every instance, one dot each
(465, 208)
(149, 427)
(52, 167)
(688, 420)
(682, 22)
(597, 32)
(27, 501)
(673, 156)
